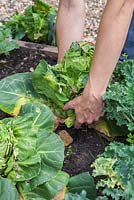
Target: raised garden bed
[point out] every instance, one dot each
(87, 142)
(32, 156)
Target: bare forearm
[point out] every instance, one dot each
(111, 37)
(70, 24)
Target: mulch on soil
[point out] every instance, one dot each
(87, 143)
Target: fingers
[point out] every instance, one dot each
(89, 119)
(86, 112)
(70, 104)
(74, 105)
(79, 119)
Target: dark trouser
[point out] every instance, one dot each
(129, 44)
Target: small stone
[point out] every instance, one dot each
(65, 137)
(31, 69)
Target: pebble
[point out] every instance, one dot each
(94, 10)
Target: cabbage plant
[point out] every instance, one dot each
(31, 155)
(64, 81)
(31, 158)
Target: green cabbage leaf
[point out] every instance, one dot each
(8, 190)
(31, 154)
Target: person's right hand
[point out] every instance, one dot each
(88, 108)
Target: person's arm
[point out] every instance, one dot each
(70, 24)
(111, 38)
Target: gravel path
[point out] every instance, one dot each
(94, 9)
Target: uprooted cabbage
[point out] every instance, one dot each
(64, 81)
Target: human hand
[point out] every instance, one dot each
(88, 108)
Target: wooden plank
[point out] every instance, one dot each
(47, 49)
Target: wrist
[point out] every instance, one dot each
(94, 90)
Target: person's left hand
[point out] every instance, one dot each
(88, 108)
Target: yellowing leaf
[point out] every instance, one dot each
(60, 195)
(17, 107)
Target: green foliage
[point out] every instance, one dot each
(81, 196)
(56, 85)
(115, 166)
(82, 182)
(51, 85)
(69, 151)
(119, 98)
(129, 192)
(17, 90)
(48, 189)
(64, 81)
(31, 154)
(6, 42)
(8, 190)
(130, 138)
(37, 24)
(102, 198)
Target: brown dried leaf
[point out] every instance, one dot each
(60, 195)
(57, 121)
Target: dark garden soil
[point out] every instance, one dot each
(87, 143)
(22, 60)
